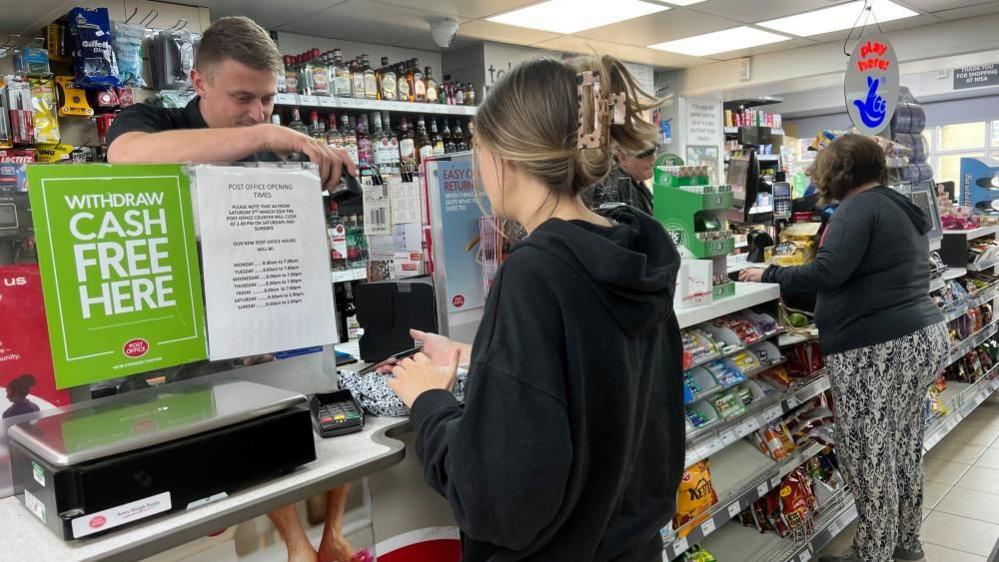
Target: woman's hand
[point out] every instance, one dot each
(437, 347)
(415, 375)
(751, 275)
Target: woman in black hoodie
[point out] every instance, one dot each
(570, 446)
(883, 340)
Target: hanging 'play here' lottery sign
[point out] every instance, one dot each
(871, 84)
(119, 269)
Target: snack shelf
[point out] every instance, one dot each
(956, 311)
(967, 344)
(787, 340)
(372, 105)
(735, 490)
(355, 274)
(706, 441)
(937, 284)
(988, 264)
(749, 375)
(736, 542)
(974, 233)
(722, 355)
(960, 398)
(747, 295)
(954, 273)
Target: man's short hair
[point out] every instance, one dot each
(240, 39)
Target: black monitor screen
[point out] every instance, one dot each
(738, 175)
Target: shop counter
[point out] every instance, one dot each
(339, 460)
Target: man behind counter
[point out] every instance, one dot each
(235, 78)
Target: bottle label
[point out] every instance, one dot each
(370, 86)
(291, 83)
(321, 82)
(388, 87)
(403, 90)
(357, 85)
(426, 151)
(431, 94)
(379, 152)
(407, 150)
(365, 158)
(342, 83)
(439, 148)
(421, 89)
(350, 145)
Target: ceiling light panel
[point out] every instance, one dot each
(720, 42)
(570, 16)
(838, 18)
(683, 2)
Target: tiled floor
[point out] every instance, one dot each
(961, 496)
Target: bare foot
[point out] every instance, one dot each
(335, 548)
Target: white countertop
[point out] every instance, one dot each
(339, 460)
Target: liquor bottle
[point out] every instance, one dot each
(282, 78)
(390, 145)
(376, 142)
(349, 137)
(461, 143)
(290, 75)
(410, 78)
(356, 80)
(320, 73)
(370, 83)
(431, 94)
(419, 84)
(317, 129)
(333, 137)
(342, 84)
(407, 145)
(459, 94)
(365, 158)
(470, 94)
(387, 85)
(296, 122)
(449, 144)
(402, 83)
(424, 145)
(437, 139)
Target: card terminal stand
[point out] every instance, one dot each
(336, 413)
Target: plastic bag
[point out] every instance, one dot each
(128, 46)
(43, 107)
(94, 56)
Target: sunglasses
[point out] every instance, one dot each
(647, 154)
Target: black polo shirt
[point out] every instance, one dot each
(148, 119)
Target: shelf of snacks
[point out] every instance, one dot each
(804, 335)
(747, 295)
(954, 273)
(768, 405)
(328, 102)
(741, 475)
(974, 233)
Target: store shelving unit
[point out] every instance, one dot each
(326, 102)
(747, 295)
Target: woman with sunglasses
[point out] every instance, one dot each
(626, 181)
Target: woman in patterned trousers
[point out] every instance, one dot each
(883, 340)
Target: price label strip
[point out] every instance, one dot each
(309, 100)
(680, 546)
(734, 509)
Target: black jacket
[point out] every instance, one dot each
(571, 443)
(871, 273)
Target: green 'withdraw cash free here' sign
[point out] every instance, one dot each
(119, 269)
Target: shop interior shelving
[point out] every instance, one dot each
(747, 295)
(330, 102)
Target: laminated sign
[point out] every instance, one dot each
(119, 269)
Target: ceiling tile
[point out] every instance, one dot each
(896, 25)
(267, 14)
(365, 21)
(642, 55)
(501, 33)
(472, 9)
(665, 60)
(941, 5)
(752, 11)
(794, 43)
(658, 28)
(969, 12)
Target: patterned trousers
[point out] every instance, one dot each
(878, 393)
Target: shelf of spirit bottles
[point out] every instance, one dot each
(328, 102)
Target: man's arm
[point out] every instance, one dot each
(229, 145)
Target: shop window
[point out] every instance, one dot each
(928, 135)
(962, 136)
(995, 135)
(949, 167)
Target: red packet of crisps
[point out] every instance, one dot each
(772, 508)
(805, 360)
(778, 376)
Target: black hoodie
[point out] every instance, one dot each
(571, 443)
(871, 273)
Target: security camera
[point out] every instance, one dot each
(444, 31)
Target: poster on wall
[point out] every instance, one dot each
(460, 211)
(266, 260)
(871, 85)
(119, 269)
